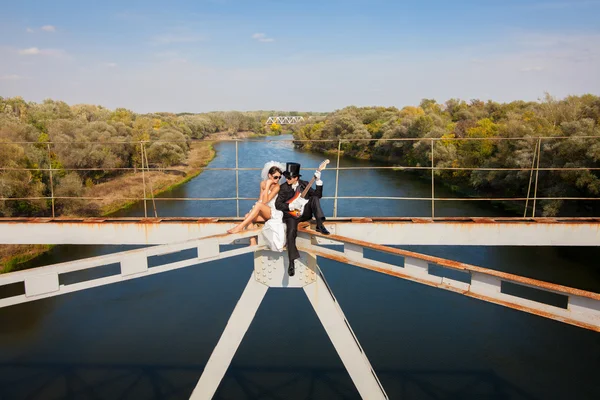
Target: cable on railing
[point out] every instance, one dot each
(143, 178)
(51, 177)
(150, 182)
(337, 178)
(396, 167)
(237, 186)
(432, 183)
(324, 197)
(315, 140)
(537, 173)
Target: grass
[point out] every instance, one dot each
(11, 255)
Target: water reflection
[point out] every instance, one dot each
(139, 381)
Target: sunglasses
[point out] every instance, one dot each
(276, 176)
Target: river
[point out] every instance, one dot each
(150, 338)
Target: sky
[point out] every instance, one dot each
(309, 55)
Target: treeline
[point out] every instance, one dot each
(91, 144)
(455, 121)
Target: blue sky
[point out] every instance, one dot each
(207, 55)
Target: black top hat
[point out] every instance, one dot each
(292, 170)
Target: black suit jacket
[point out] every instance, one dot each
(286, 192)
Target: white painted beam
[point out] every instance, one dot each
(345, 342)
(230, 340)
(471, 233)
(390, 233)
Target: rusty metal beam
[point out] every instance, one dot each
(582, 307)
(390, 231)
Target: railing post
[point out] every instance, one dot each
(150, 182)
(537, 173)
(143, 178)
(530, 179)
(237, 187)
(51, 178)
(432, 183)
(337, 177)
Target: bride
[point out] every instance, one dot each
(264, 209)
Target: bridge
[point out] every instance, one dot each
(285, 120)
(355, 242)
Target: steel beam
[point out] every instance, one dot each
(43, 282)
(345, 342)
(450, 232)
(230, 340)
(270, 271)
(582, 308)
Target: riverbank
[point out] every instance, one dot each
(111, 195)
(131, 185)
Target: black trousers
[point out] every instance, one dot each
(312, 208)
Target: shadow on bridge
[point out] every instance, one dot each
(108, 381)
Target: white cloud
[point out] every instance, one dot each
(49, 28)
(34, 51)
(29, 30)
(12, 77)
(261, 37)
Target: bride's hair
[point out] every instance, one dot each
(274, 169)
(271, 167)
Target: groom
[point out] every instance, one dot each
(312, 207)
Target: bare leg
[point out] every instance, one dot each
(253, 241)
(259, 210)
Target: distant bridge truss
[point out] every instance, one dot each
(285, 120)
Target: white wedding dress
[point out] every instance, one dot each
(274, 229)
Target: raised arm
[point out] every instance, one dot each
(265, 186)
(263, 192)
(269, 196)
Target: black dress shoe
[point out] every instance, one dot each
(322, 230)
(292, 269)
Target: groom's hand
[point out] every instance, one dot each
(318, 176)
(298, 203)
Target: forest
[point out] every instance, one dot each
(478, 134)
(87, 145)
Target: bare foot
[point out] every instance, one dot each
(234, 230)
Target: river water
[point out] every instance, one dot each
(149, 338)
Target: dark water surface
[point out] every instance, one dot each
(149, 338)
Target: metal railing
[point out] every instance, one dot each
(143, 168)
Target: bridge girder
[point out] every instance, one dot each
(390, 231)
